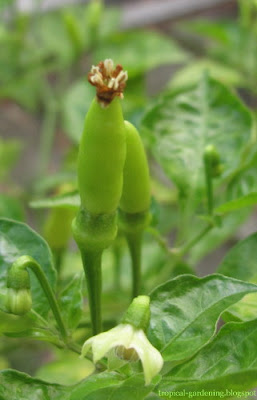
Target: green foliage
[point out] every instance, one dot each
(184, 312)
(227, 362)
(71, 302)
(43, 61)
(240, 262)
(180, 126)
(153, 48)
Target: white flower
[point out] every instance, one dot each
(125, 336)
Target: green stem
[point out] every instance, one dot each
(28, 262)
(58, 255)
(135, 245)
(92, 261)
(184, 249)
(117, 267)
(209, 186)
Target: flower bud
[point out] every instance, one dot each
(212, 157)
(18, 301)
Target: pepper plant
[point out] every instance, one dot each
(167, 342)
(142, 321)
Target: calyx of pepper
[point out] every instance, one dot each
(109, 81)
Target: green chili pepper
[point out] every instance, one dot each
(100, 173)
(136, 193)
(101, 158)
(135, 200)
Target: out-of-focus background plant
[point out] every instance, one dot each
(186, 72)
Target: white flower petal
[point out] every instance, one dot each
(86, 347)
(102, 343)
(150, 357)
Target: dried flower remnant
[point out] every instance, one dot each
(109, 81)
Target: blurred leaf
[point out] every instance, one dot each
(50, 35)
(67, 200)
(54, 181)
(75, 106)
(217, 236)
(71, 302)
(227, 363)
(14, 323)
(244, 182)
(17, 239)
(232, 45)
(9, 154)
(25, 90)
(66, 370)
(241, 263)
(111, 385)
(16, 386)
(180, 126)
(192, 73)
(110, 22)
(139, 51)
(233, 205)
(11, 207)
(185, 310)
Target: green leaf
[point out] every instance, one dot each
(66, 370)
(233, 205)
(228, 362)
(110, 385)
(15, 385)
(10, 323)
(185, 310)
(17, 239)
(139, 51)
(180, 126)
(241, 263)
(67, 200)
(71, 302)
(10, 207)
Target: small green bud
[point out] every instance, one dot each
(138, 313)
(18, 301)
(18, 278)
(212, 158)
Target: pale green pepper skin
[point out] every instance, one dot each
(101, 158)
(136, 192)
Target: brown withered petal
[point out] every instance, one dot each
(109, 81)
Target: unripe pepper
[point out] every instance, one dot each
(136, 192)
(135, 200)
(101, 158)
(101, 161)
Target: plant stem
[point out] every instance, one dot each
(184, 249)
(93, 270)
(209, 186)
(135, 245)
(29, 262)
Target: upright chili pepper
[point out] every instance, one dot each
(100, 173)
(135, 200)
